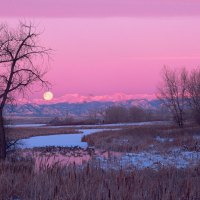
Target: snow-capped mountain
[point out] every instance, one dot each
(75, 109)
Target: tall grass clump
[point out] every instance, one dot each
(20, 180)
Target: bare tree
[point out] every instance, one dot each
(93, 116)
(194, 93)
(173, 93)
(116, 114)
(136, 114)
(21, 60)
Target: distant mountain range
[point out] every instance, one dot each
(79, 98)
(75, 109)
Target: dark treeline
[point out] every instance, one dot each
(112, 114)
(117, 114)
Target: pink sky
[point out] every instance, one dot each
(103, 47)
(99, 8)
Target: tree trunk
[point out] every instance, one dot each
(2, 138)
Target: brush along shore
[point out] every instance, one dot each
(17, 133)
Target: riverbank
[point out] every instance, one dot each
(17, 133)
(22, 131)
(146, 138)
(140, 146)
(145, 162)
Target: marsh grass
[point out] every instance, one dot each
(137, 139)
(19, 180)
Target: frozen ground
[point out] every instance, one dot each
(176, 158)
(115, 160)
(160, 139)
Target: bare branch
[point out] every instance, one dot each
(173, 93)
(20, 64)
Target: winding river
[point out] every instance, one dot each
(71, 140)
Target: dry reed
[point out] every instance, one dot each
(19, 180)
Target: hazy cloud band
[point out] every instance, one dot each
(99, 8)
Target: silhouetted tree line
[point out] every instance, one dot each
(117, 114)
(112, 114)
(180, 94)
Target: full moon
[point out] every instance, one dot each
(48, 96)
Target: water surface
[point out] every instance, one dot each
(64, 140)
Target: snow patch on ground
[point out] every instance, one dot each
(176, 158)
(196, 137)
(160, 139)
